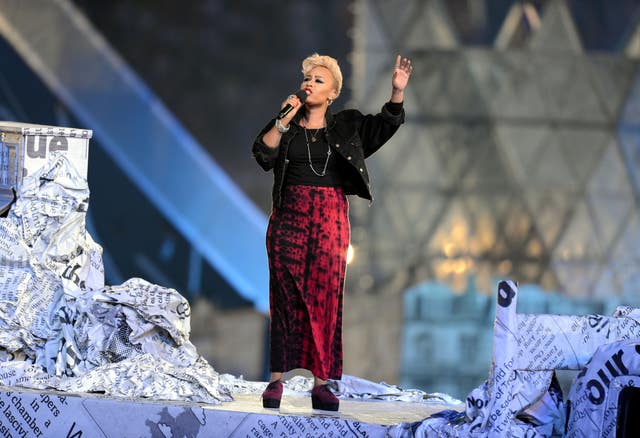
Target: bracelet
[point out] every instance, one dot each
(280, 127)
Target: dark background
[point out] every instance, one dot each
(224, 67)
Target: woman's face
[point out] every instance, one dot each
(318, 83)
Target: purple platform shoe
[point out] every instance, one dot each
(272, 395)
(322, 398)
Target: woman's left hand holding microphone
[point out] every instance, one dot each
(296, 103)
(273, 136)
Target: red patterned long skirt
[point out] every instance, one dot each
(307, 242)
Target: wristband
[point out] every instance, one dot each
(280, 127)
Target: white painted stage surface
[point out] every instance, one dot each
(32, 413)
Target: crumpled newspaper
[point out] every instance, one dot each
(62, 328)
(522, 397)
(348, 387)
(595, 390)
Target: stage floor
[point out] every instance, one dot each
(370, 411)
(53, 414)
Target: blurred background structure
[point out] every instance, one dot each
(519, 159)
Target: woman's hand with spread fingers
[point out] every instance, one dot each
(400, 79)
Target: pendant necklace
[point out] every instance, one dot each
(314, 135)
(313, 139)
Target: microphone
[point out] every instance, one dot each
(302, 95)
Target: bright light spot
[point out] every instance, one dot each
(459, 267)
(448, 249)
(350, 254)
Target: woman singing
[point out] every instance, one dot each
(317, 158)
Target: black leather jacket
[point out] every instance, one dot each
(350, 133)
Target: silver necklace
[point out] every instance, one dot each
(324, 171)
(314, 134)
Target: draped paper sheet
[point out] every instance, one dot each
(62, 328)
(348, 387)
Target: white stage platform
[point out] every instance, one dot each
(29, 413)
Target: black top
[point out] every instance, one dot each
(298, 169)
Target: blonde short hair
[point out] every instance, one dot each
(315, 60)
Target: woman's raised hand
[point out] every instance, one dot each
(401, 73)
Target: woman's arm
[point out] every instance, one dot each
(262, 153)
(265, 147)
(375, 130)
